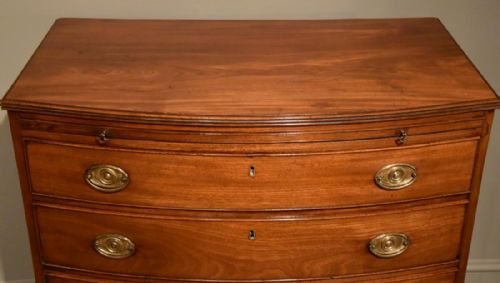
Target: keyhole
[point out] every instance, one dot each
(252, 235)
(251, 171)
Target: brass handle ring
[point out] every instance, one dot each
(389, 245)
(396, 176)
(114, 246)
(106, 178)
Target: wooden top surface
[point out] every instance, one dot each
(281, 72)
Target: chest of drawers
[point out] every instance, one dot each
(250, 151)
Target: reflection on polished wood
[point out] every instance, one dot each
(272, 72)
(332, 151)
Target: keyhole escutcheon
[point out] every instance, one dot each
(252, 235)
(251, 171)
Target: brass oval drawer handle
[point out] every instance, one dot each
(106, 178)
(114, 246)
(396, 176)
(389, 244)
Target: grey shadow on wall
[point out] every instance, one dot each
(15, 257)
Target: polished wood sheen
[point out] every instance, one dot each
(429, 274)
(250, 150)
(243, 71)
(222, 250)
(219, 182)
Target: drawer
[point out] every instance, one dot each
(252, 249)
(428, 277)
(156, 179)
(262, 140)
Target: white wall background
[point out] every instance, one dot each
(475, 24)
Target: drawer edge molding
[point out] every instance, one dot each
(104, 133)
(47, 198)
(260, 216)
(151, 118)
(27, 140)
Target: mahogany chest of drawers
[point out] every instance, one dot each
(250, 151)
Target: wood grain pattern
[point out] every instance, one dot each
(252, 215)
(19, 150)
(441, 273)
(255, 149)
(474, 197)
(254, 141)
(221, 250)
(74, 125)
(188, 106)
(214, 182)
(441, 278)
(270, 72)
(252, 136)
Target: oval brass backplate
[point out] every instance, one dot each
(389, 245)
(396, 176)
(106, 178)
(114, 246)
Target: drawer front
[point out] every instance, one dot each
(236, 182)
(438, 277)
(250, 249)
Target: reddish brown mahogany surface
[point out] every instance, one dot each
(221, 250)
(241, 71)
(187, 107)
(214, 182)
(442, 273)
